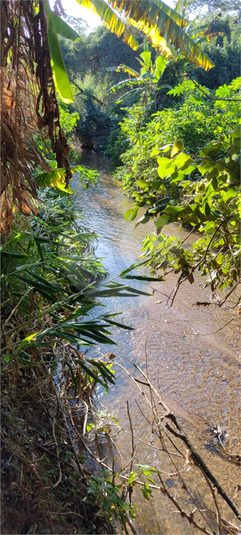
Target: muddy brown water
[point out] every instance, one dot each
(195, 368)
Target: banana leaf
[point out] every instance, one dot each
(60, 76)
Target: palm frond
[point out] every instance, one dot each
(161, 24)
(150, 8)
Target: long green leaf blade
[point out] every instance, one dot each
(61, 79)
(63, 29)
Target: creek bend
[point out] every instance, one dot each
(197, 373)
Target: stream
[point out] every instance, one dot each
(193, 364)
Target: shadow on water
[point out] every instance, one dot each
(197, 373)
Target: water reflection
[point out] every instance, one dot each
(198, 374)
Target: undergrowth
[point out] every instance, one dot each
(51, 280)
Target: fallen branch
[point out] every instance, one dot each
(197, 459)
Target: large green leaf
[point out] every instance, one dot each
(149, 73)
(54, 179)
(160, 66)
(64, 29)
(146, 57)
(51, 179)
(60, 76)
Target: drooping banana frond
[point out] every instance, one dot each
(124, 68)
(164, 27)
(149, 8)
(149, 74)
(125, 83)
(156, 20)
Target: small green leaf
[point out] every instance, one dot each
(142, 184)
(207, 209)
(177, 147)
(144, 219)
(205, 166)
(160, 65)
(28, 339)
(106, 504)
(150, 279)
(174, 210)
(27, 362)
(89, 427)
(183, 161)
(235, 133)
(146, 491)
(131, 214)
(6, 357)
(132, 477)
(146, 56)
(156, 184)
(161, 221)
(210, 150)
(65, 190)
(226, 195)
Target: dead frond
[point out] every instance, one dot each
(29, 106)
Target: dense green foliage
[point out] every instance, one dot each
(184, 166)
(101, 58)
(49, 280)
(161, 109)
(210, 204)
(223, 49)
(194, 122)
(181, 163)
(94, 53)
(214, 6)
